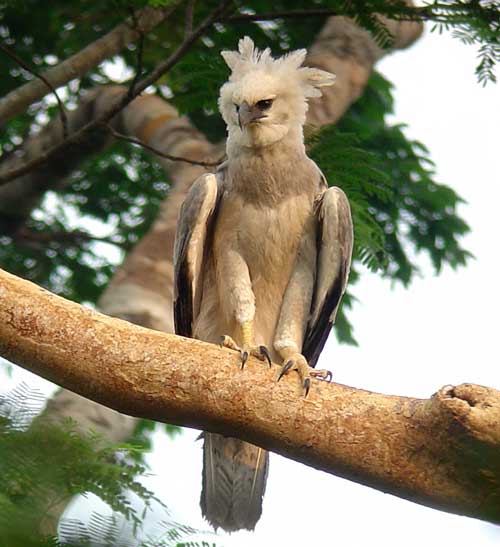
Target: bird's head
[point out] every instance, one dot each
(264, 97)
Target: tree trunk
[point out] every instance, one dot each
(441, 452)
(141, 290)
(76, 66)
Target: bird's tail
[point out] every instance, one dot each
(234, 481)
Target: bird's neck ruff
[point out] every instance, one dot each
(266, 175)
(248, 143)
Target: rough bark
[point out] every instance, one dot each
(80, 63)
(442, 452)
(141, 290)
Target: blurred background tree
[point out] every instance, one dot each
(90, 215)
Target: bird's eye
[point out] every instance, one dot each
(265, 104)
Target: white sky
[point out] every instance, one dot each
(442, 330)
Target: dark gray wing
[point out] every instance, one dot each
(194, 227)
(334, 244)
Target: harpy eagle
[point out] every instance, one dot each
(262, 254)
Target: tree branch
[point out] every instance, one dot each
(21, 63)
(77, 65)
(64, 239)
(188, 26)
(438, 13)
(441, 452)
(138, 292)
(157, 152)
(140, 52)
(119, 104)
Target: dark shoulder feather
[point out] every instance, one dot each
(334, 244)
(198, 213)
(183, 301)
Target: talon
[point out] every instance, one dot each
(246, 349)
(307, 386)
(296, 361)
(228, 342)
(323, 375)
(265, 353)
(285, 369)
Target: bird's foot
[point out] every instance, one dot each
(296, 361)
(261, 352)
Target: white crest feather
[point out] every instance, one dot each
(248, 58)
(246, 48)
(232, 58)
(293, 59)
(315, 78)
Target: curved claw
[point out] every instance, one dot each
(265, 353)
(307, 386)
(323, 375)
(284, 369)
(228, 342)
(244, 358)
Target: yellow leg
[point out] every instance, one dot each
(247, 334)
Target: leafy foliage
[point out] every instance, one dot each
(475, 23)
(108, 532)
(421, 213)
(44, 464)
(354, 169)
(398, 208)
(119, 202)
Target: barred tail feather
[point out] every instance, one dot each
(234, 481)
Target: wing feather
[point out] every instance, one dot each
(334, 244)
(194, 227)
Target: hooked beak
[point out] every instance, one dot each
(248, 114)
